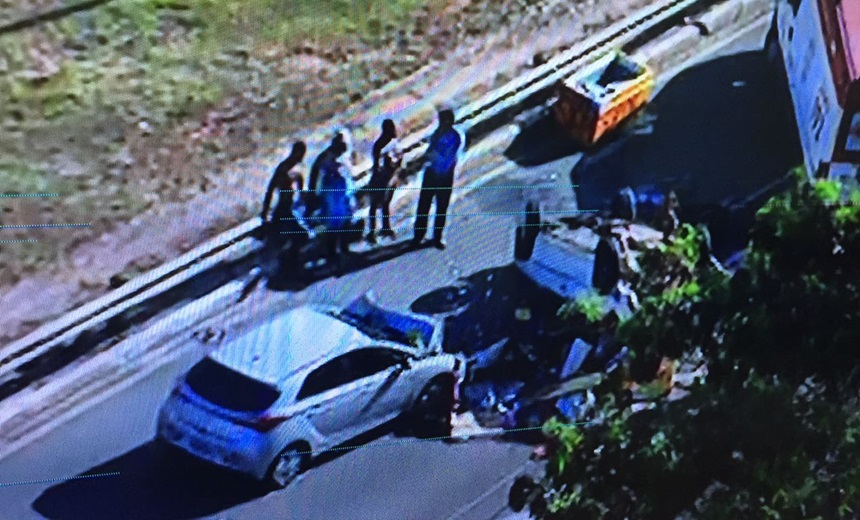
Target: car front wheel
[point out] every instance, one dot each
(288, 465)
(607, 266)
(431, 413)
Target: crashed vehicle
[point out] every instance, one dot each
(269, 399)
(523, 380)
(571, 255)
(593, 103)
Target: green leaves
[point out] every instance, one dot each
(591, 305)
(774, 432)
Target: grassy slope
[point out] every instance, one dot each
(72, 91)
(170, 54)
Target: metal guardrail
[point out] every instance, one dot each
(50, 346)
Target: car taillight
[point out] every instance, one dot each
(264, 423)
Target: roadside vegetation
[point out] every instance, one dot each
(166, 58)
(771, 429)
(136, 104)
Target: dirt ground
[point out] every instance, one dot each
(153, 186)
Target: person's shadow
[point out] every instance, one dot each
(541, 140)
(281, 277)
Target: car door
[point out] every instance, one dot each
(340, 394)
(389, 383)
(327, 407)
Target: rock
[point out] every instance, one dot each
(145, 128)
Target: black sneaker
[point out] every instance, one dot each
(371, 238)
(387, 233)
(439, 244)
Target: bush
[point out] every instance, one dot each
(773, 431)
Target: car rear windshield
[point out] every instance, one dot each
(230, 389)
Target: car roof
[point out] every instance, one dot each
(273, 351)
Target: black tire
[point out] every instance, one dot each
(430, 415)
(527, 233)
(607, 266)
(291, 462)
(521, 489)
(523, 247)
(624, 205)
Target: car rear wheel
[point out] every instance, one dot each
(607, 268)
(288, 465)
(431, 412)
(526, 234)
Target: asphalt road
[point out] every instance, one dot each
(385, 478)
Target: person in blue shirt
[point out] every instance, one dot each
(311, 199)
(336, 192)
(443, 152)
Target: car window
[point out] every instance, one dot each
(369, 361)
(349, 367)
(329, 375)
(229, 389)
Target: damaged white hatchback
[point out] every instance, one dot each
(309, 380)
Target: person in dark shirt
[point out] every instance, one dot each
(387, 157)
(283, 227)
(443, 152)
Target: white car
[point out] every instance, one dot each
(267, 401)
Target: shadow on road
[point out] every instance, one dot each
(286, 280)
(147, 487)
(167, 485)
(723, 134)
(541, 141)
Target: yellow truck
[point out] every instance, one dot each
(596, 100)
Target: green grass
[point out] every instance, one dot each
(20, 177)
(126, 64)
(80, 198)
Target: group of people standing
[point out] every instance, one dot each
(327, 205)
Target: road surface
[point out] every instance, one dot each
(386, 477)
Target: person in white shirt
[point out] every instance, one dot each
(387, 159)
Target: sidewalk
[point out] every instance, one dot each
(510, 515)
